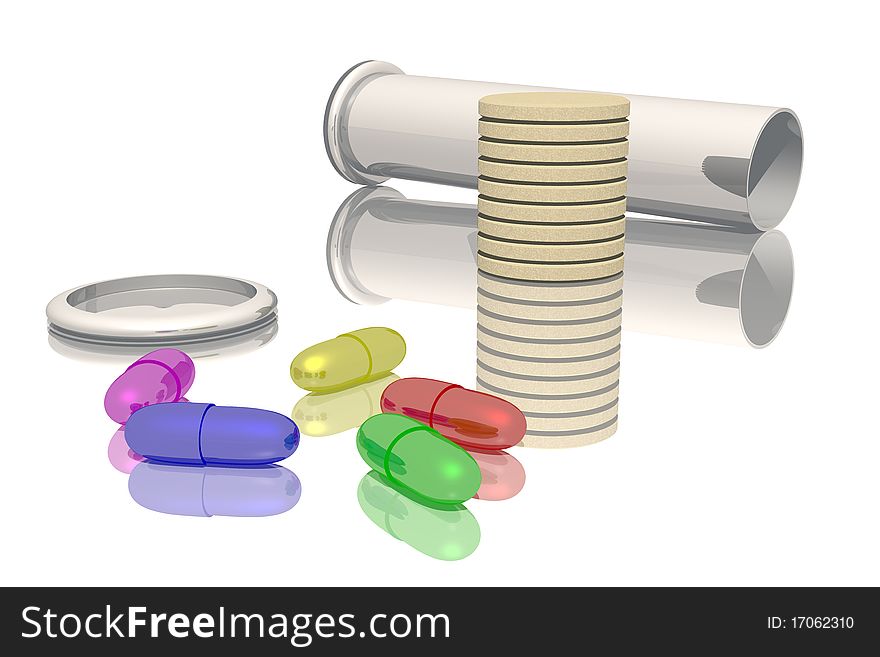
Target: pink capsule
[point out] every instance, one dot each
(467, 417)
(163, 375)
(503, 475)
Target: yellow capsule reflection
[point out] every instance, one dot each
(327, 414)
(348, 360)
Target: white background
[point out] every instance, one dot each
(156, 137)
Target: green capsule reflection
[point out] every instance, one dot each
(417, 457)
(443, 531)
(331, 413)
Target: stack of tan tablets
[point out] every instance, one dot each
(550, 257)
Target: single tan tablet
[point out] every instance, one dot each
(537, 152)
(530, 271)
(555, 132)
(546, 367)
(550, 440)
(548, 329)
(512, 290)
(554, 106)
(550, 213)
(552, 173)
(548, 385)
(560, 252)
(551, 194)
(553, 403)
(548, 348)
(564, 422)
(541, 232)
(549, 310)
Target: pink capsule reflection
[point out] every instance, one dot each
(120, 454)
(503, 475)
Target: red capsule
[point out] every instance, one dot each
(467, 417)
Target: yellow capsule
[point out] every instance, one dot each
(348, 360)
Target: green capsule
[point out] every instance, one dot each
(443, 531)
(418, 458)
(348, 360)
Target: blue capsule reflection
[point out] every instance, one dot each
(185, 490)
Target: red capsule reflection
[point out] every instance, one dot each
(503, 475)
(470, 418)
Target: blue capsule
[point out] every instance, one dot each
(205, 434)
